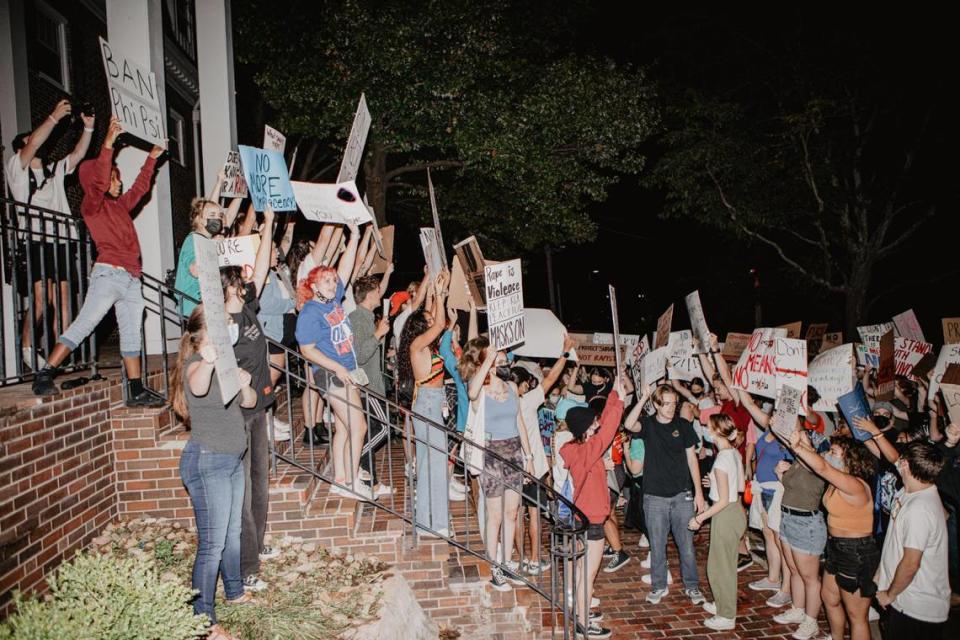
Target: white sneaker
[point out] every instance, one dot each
(644, 543)
(807, 630)
(594, 601)
(364, 475)
(710, 607)
(779, 599)
(383, 490)
(457, 485)
(764, 585)
(793, 615)
(647, 578)
(253, 583)
(645, 563)
(281, 430)
(720, 624)
(454, 494)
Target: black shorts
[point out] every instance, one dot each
(595, 532)
(533, 495)
(46, 258)
(289, 339)
(854, 562)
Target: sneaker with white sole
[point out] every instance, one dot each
(655, 596)
(281, 430)
(594, 631)
(779, 599)
(455, 495)
(608, 551)
(269, 553)
(616, 562)
(807, 630)
(536, 568)
(253, 583)
(595, 617)
(359, 491)
(720, 624)
(647, 578)
(765, 584)
(383, 490)
(744, 561)
(710, 607)
(793, 615)
(594, 601)
(695, 595)
(457, 485)
(498, 581)
(644, 543)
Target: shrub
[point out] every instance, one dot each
(99, 597)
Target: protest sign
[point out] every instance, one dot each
(793, 329)
(783, 422)
(756, 370)
(239, 251)
(832, 374)
(380, 262)
(431, 251)
(134, 96)
(697, 322)
(234, 184)
(870, 336)
(653, 366)
(544, 333)
(331, 203)
(949, 354)
(907, 353)
(211, 292)
(924, 366)
(908, 326)
(273, 140)
(682, 360)
(887, 369)
(854, 405)
(951, 330)
(472, 263)
(628, 341)
(618, 354)
(791, 365)
(436, 215)
(459, 296)
(267, 179)
(353, 154)
(950, 386)
(734, 344)
(504, 292)
(664, 322)
(592, 354)
(831, 339)
(641, 347)
(814, 336)
(377, 236)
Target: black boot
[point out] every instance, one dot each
(140, 396)
(43, 382)
(320, 438)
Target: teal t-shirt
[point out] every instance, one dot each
(186, 282)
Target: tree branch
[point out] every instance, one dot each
(423, 166)
(903, 237)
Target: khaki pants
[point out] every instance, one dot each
(726, 529)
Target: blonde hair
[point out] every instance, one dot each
(196, 209)
(724, 426)
(661, 391)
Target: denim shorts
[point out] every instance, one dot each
(806, 534)
(853, 561)
(595, 532)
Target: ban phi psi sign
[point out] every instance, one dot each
(134, 99)
(504, 286)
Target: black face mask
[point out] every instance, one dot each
(503, 372)
(881, 421)
(213, 226)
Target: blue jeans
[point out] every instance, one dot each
(215, 484)
(114, 288)
(664, 516)
(432, 501)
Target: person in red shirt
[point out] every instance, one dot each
(115, 278)
(584, 458)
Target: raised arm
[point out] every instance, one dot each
(877, 444)
(230, 215)
(349, 257)
(217, 187)
(844, 482)
(480, 375)
(473, 328)
(385, 281)
(98, 181)
(759, 416)
(421, 294)
(261, 266)
(632, 421)
(320, 246)
(141, 186)
(249, 220)
(39, 135)
(80, 149)
(333, 247)
(438, 325)
(557, 369)
(363, 251)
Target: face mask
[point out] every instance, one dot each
(234, 330)
(881, 421)
(503, 372)
(833, 461)
(213, 226)
(554, 399)
(707, 436)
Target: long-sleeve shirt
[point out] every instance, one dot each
(366, 347)
(585, 462)
(450, 361)
(108, 218)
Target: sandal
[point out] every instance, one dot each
(246, 598)
(219, 633)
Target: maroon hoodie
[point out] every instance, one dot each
(585, 462)
(108, 218)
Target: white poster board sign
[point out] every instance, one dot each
(353, 154)
(832, 374)
(908, 326)
(756, 370)
(870, 336)
(949, 354)
(544, 333)
(907, 353)
(432, 252)
(683, 363)
(697, 322)
(331, 203)
(234, 184)
(273, 139)
(504, 287)
(239, 251)
(134, 96)
(211, 292)
(783, 422)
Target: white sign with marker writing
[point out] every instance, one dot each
(134, 96)
(503, 283)
(211, 292)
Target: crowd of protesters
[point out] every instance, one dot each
(850, 527)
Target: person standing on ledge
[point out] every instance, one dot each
(115, 279)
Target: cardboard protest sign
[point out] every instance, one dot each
(592, 354)
(854, 405)
(239, 251)
(908, 326)
(924, 366)
(331, 203)
(380, 261)
(459, 296)
(887, 369)
(793, 329)
(267, 179)
(628, 341)
(832, 374)
(814, 336)
(682, 360)
(436, 215)
(907, 353)
(756, 370)
(950, 386)
(134, 96)
(697, 322)
(544, 332)
(353, 154)
(663, 328)
(273, 140)
(504, 288)
(653, 366)
(783, 422)
(951, 330)
(377, 236)
(830, 340)
(211, 292)
(234, 185)
(949, 354)
(472, 263)
(618, 354)
(733, 346)
(431, 251)
(870, 336)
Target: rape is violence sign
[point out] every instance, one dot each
(503, 283)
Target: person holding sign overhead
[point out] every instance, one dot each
(115, 279)
(206, 219)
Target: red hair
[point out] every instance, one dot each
(305, 286)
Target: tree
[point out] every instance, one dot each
(528, 134)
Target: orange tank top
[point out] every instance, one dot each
(843, 515)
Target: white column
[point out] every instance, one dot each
(136, 28)
(14, 118)
(218, 117)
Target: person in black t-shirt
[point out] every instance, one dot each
(671, 492)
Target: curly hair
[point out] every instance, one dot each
(857, 458)
(415, 326)
(473, 356)
(305, 286)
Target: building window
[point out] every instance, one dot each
(180, 17)
(175, 136)
(48, 46)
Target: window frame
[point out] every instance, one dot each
(43, 9)
(175, 118)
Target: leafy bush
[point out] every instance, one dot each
(99, 597)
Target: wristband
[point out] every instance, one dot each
(88, 129)
(566, 355)
(54, 120)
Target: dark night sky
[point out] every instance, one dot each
(730, 51)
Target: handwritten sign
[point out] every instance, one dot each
(734, 345)
(907, 353)
(682, 360)
(353, 154)
(664, 322)
(653, 366)
(436, 216)
(697, 322)
(783, 422)
(887, 369)
(908, 326)
(431, 251)
(239, 251)
(504, 288)
(756, 370)
(273, 140)
(234, 185)
(951, 330)
(949, 354)
(211, 292)
(814, 336)
(793, 329)
(267, 179)
(832, 374)
(134, 96)
(472, 262)
(641, 347)
(870, 336)
(950, 386)
(331, 203)
(830, 340)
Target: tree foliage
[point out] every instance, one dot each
(527, 134)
